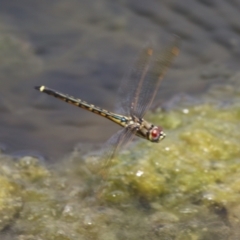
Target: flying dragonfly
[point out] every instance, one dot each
(137, 92)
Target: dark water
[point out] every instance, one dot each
(83, 48)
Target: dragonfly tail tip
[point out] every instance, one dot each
(40, 88)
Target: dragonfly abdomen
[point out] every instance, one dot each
(75, 101)
(121, 120)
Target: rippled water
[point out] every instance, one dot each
(84, 48)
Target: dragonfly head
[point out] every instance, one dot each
(156, 134)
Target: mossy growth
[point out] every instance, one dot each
(186, 187)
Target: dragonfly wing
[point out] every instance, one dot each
(147, 88)
(114, 144)
(131, 83)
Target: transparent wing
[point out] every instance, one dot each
(138, 89)
(131, 83)
(113, 145)
(153, 78)
(117, 141)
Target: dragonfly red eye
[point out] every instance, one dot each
(156, 134)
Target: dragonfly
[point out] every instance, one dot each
(137, 92)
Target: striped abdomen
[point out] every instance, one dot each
(119, 119)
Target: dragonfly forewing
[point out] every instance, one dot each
(131, 83)
(138, 90)
(154, 77)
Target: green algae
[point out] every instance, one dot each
(186, 187)
(205, 152)
(10, 203)
(10, 197)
